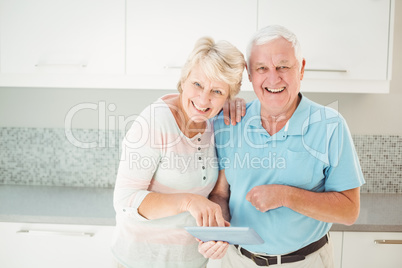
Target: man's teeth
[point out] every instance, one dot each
(199, 108)
(275, 90)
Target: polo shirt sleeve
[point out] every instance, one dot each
(344, 171)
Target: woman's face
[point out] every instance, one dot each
(202, 98)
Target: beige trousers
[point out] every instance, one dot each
(322, 258)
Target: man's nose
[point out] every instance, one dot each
(272, 78)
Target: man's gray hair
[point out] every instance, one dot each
(270, 33)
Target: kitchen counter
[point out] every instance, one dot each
(378, 213)
(55, 204)
(94, 206)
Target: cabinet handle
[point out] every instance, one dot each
(326, 70)
(60, 65)
(58, 233)
(388, 242)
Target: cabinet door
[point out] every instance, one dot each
(49, 246)
(337, 240)
(161, 34)
(340, 40)
(62, 37)
(372, 250)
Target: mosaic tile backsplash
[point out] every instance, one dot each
(90, 158)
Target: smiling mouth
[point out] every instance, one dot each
(199, 108)
(275, 90)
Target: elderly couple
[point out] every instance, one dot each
(291, 206)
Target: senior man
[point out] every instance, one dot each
(289, 169)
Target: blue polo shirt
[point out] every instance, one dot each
(314, 151)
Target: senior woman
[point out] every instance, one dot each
(168, 164)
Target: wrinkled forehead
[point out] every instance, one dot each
(279, 50)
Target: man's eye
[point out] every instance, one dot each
(282, 67)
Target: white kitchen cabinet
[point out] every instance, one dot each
(136, 44)
(346, 44)
(54, 245)
(61, 43)
(337, 241)
(161, 34)
(372, 250)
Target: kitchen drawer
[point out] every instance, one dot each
(26, 245)
(372, 249)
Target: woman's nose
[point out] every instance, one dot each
(204, 96)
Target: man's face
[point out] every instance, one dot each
(275, 75)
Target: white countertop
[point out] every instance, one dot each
(94, 206)
(51, 204)
(378, 213)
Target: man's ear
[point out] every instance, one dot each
(302, 69)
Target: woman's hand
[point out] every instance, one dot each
(234, 110)
(205, 212)
(208, 213)
(213, 249)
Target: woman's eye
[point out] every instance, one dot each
(218, 92)
(197, 84)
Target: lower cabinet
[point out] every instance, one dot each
(372, 249)
(55, 245)
(26, 245)
(337, 240)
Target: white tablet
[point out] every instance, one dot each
(232, 235)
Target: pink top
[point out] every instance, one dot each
(158, 157)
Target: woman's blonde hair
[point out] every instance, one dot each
(220, 61)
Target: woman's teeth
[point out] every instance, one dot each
(275, 90)
(199, 108)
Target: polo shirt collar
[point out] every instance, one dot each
(298, 123)
(300, 120)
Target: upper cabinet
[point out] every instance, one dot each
(57, 43)
(346, 44)
(161, 34)
(138, 44)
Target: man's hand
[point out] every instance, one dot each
(266, 197)
(336, 207)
